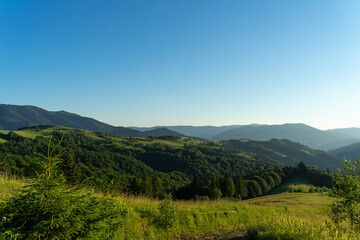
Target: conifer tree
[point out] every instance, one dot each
(157, 187)
(196, 187)
(240, 187)
(214, 190)
(227, 186)
(146, 187)
(69, 168)
(214, 182)
(135, 186)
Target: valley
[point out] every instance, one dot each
(180, 187)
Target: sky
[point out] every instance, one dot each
(185, 62)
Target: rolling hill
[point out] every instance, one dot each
(168, 154)
(158, 132)
(351, 132)
(285, 152)
(300, 133)
(13, 117)
(351, 152)
(205, 132)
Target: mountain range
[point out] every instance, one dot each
(13, 117)
(350, 152)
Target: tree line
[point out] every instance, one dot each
(191, 171)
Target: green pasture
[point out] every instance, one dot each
(297, 184)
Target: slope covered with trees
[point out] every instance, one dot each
(351, 152)
(131, 164)
(13, 117)
(284, 151)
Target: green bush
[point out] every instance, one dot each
(347, 193)
(167, 209)
(50, 209)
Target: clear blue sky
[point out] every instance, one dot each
(145, 63)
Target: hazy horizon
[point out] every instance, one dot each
(161, 63)
(191, 125)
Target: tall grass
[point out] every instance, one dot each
(311, 227)
(281, 216)
(10, 183)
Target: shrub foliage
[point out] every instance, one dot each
(48, 208)
(347, 191)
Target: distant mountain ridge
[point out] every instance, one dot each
(285, 151)
(296, 132)
(13, 117)
(158, 132)
(300, 133)
(350, 152)
(205, 132)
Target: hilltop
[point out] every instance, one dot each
(13, 117)
(119, 158)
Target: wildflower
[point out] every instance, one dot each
(3, 219)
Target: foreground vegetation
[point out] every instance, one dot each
(51, 204)
(280, 216)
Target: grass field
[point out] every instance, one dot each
(46, 131)
(297, 184)
(278, 216)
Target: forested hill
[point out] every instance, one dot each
(351, 152)
(300, 133)
(105, 160)
(284, 151)
(13, 117)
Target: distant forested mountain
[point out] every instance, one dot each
(105, 160)
(300, 133)
(351, 152)
(13, 117)
(205, 132)
(351, 132)
(158, 132)
(285, 151)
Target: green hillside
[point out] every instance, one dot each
(120, 165)
(284, 151)
(111, 162)
(351, 152)
(295, 184)
(13, 117)
(105, 158)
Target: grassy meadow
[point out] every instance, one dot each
(278, 216)
(296, 184)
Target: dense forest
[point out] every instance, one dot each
(182, 166)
